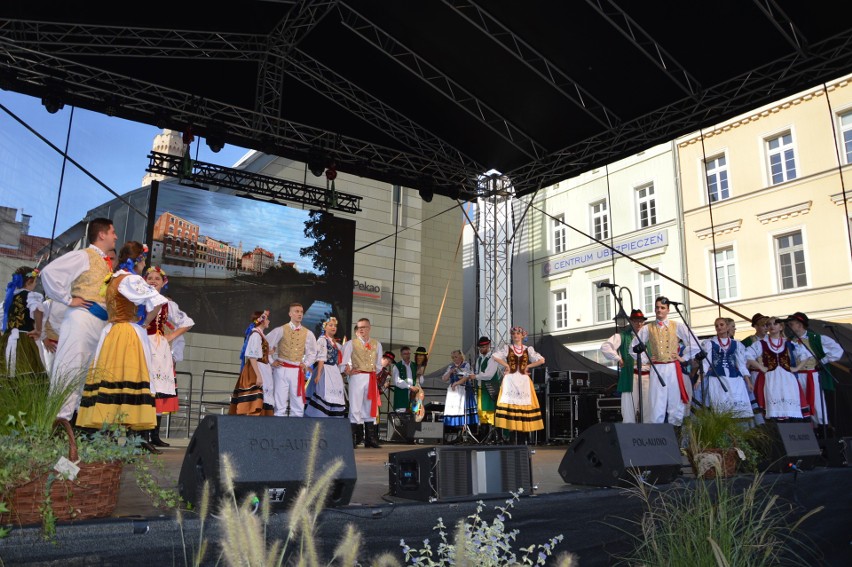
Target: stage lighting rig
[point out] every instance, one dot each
(52, 103)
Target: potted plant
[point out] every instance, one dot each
(717, 441)
(49, 472)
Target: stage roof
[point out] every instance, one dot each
(427, 94)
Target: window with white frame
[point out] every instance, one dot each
(600, 220)
(716, 170)
(560, 236)
(790, 257)
(560, 308)
(603, 303)
(649, 283)
(646, 205)
(846, 134)
(724, 266)
(782, 158)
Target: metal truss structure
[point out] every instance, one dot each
(495, 230)
(253, 185)
(43, 58)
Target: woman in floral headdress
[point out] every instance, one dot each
(255, 382)
(118, 384)
(22, 321)
(169, 324)
(325, 392)
(517, 403)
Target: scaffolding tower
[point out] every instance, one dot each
(494, 229)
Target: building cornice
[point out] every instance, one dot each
(837, 198)
(763, 113)
(785, 213)
(719, 229)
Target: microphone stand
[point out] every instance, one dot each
(644, 350)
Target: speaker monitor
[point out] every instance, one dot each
(610, 454)
(459, 473)
(268, 455)
(790, 444)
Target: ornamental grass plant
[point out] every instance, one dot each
(718, 523)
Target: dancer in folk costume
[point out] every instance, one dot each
(619, 349)
(169, 324)
(325, 392)
(53, 313)
(405, 381)
(363, 361)
(118, 384)
(250, 396)
(725, 365)
(22, 325)
(74, 279)
(815, 377)
(517, 403)
(668, 402)
(760, 324)
(295, 349)
(779, 360)
(488, 374)
(460, 402)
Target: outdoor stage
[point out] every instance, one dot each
(590, 518)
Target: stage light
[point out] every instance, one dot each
(52, 103)
(215, 144)
(317, 160)
(426, 194)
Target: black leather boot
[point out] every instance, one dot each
(155, 435)
(146, 442)
(357, 434)
(371, 439)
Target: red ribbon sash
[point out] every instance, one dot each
(300, 388)
(684, 397)
(373, 394)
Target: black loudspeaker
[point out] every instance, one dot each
(268, 455)
(790, 446)
(611, 454)
(459, 473)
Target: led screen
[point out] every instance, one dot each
(227, 256)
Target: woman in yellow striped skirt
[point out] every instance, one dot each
(517, 404)
(118, 385)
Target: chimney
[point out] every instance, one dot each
(25, 223)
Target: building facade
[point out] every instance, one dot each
(766, 224)
(618, 225)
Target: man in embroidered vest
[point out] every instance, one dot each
(361, 357)
(295, 350)
(405, 382)
(488, 373)
(619, 349)
(814, 376)
(668, 402)
(74, 279)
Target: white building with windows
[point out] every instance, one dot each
(766, 203)
(614, 225)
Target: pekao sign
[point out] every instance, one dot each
(600, 254)
(370, 289)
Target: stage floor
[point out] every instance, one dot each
(371, 487)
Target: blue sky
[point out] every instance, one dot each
(112, 149)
